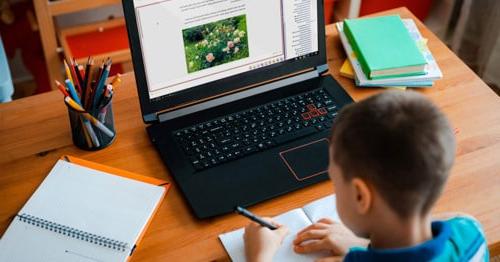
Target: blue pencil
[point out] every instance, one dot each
(72, 91)
(100, 86)
(86, 122)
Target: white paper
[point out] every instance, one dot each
(85, 199)
(23, 242)
(295, 220)
(322, 208)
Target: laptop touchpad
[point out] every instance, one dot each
(308, 160)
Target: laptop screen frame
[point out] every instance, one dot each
(222, 86)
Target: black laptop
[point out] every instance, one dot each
(234, 95)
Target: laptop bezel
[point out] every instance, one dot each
(150, 107)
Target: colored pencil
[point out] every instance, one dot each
(88, 81)
(88, 116)
(74, 77)
(103, 105)
(62, 88)
(78, 74)
(84, 84)
(68, 72)
(117, 80)
(72, 91)
(100, 85)
(88, 138)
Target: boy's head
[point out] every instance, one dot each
(395, 147)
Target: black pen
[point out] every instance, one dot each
(254, 218)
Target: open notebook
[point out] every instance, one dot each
(82, 214)
(295, 220)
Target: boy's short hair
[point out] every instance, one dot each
(401, 143)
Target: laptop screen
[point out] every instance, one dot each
(189, 43)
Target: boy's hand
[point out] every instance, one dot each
(327, 235)
(261, 243)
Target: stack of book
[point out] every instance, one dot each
(387, 51)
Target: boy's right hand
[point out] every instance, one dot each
(327, 235)
(261, 243)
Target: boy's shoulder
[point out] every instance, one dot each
(456, 239)
(466, 241)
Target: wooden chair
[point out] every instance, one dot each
(69, 40)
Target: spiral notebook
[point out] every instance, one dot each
(295, 220)
(83, 211)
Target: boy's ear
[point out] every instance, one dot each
(363, 195)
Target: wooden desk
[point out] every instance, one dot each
(34, 133)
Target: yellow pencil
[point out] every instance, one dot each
(117, 80)
(68, 72)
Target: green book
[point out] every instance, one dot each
(384, 47)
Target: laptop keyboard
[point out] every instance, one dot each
(249, 131)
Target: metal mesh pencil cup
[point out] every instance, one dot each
(86, 135)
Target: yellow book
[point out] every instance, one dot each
(346, 69)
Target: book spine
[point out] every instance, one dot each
(357, 52)
(73, 232)
(399, 75)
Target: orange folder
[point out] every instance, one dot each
(127, 174)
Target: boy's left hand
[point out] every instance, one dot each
(261, 243)
(327, 235)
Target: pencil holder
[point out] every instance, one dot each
(95, 133)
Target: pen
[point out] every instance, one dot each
(254, 218)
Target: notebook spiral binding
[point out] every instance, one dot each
(74, 233)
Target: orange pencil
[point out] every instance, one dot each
(62, 88)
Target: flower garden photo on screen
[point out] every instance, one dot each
(215, 43)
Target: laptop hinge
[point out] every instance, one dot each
(237, 96)
(322, 68)
(150, 118)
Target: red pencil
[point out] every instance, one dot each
(74, 76)
(62, 88)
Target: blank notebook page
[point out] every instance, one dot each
(95, 202)
(295, 220)
(322, 208)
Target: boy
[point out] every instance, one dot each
(390, 157)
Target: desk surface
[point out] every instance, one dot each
(34, 133)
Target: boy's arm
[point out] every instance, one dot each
(261, 243)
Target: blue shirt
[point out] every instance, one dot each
(457, 239)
